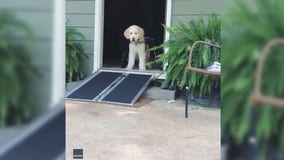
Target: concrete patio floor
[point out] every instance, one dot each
(154, 131)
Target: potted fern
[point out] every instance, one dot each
(16, 72)
(182, 37)
(75, 55)
(242, 46)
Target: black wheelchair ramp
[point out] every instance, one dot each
(112, 87)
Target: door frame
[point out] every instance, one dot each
(99, 30)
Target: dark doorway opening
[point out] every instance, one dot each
(119, 15)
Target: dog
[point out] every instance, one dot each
(137, 47)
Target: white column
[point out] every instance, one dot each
(98, 35)
(58, 53)
(168, 24)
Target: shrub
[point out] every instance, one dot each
(182, 37)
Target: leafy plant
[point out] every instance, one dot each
(16, 72)
(245, 30)
(182, 37)
(75, 55)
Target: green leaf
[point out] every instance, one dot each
(183, 35)
(75, 54)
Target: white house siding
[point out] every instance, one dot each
(80, 14)
(186, 10)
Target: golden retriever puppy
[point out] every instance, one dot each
(137, 47)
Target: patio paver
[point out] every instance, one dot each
(155, 131)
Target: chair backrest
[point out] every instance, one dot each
(203, 71)
(258, 96)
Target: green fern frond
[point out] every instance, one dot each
(182, 37)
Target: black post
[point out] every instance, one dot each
(186, 94)
(252, 139)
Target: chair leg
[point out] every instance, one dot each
(186, 94)
(252, 139)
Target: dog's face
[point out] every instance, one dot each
(134, 33)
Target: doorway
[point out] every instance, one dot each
(119, 15)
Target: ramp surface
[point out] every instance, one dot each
(93, 87)
(112, 87)
(129, 90)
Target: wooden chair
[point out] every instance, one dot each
(189, 68)
(258, 97)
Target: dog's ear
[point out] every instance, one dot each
(126, 33)
(141, 32)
